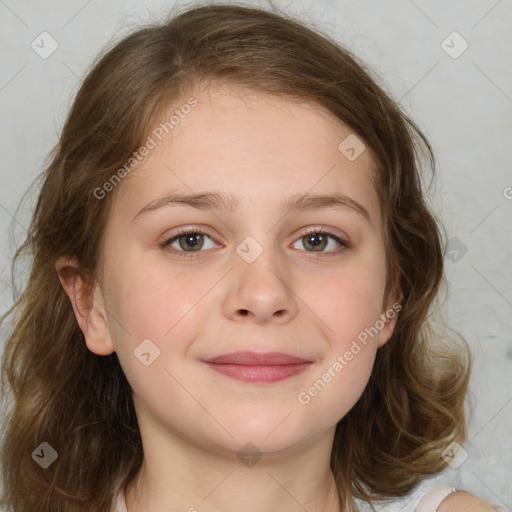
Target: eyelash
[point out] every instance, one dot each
(309, 231)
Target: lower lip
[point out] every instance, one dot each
(259, 373)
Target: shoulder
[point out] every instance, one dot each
(448, 499)
(462, 501)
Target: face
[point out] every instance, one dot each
(252, 275)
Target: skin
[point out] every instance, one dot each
(463, 501)
(193, 420)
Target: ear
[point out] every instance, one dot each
(390, 311)
(87, 302)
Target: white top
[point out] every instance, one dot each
(429, 502)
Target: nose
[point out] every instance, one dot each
(261, 291)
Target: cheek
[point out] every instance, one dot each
(152, 300)
(152, 324)
(349, 302)
(162, 304)
(349, 310)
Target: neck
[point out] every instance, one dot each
(189, 479)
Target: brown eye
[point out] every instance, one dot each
(188, 242)
(317, 240)
(191, 241)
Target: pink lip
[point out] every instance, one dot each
(255, 367)
(256, 359)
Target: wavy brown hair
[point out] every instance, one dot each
(80, 403)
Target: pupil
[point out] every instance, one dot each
(191, 241)
(313, 237)
(316, 240)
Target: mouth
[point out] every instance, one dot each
(256, 367)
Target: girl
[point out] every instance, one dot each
(233, 270)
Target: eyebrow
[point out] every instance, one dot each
(214, 200)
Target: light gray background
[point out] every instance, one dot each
(463, 104)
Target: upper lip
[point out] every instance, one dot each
(247, 358)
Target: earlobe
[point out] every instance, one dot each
(389, 319)
(390, 315)
(86, 300)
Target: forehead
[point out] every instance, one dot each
(253, 146)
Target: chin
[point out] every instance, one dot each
(272, 438)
